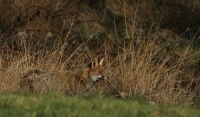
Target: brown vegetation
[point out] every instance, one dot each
(146, 44)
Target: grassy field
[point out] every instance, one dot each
(59, 105)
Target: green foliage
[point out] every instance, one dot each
(58, 105)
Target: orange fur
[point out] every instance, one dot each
(70, 81)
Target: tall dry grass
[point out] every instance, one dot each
(138, 60)
(132, 72)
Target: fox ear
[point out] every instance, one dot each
(92, 64)
(96, 62)
(101, 62)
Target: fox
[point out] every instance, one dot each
(68, 81)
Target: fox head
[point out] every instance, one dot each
(95, 72)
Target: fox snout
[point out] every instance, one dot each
(103, 78)
(100, 77)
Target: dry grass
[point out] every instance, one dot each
(139, 63)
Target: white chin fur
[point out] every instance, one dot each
(105, 78)
(95, 78)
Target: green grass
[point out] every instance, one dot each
(58, 105)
